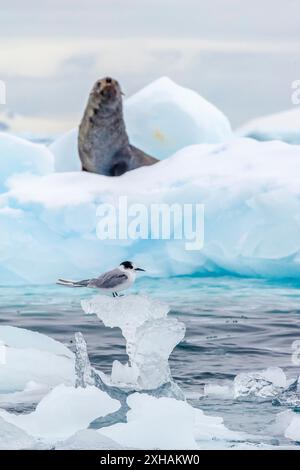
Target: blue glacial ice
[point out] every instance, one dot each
(250, 191)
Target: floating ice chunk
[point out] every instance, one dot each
(290, 396)
(224, 391)
(124, 375)
(283, 126)
(32, 394)
(31, 356)
(208, 428)
(88, 439)
(165, 423)
(63, 412)
(164, 117)
(21, 156)
(282, 421)
(13, 438)
(265, 384)
(155, 423)
(150, 336)
(293, 430)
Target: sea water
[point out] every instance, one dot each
(233, 325)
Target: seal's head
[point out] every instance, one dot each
(106, 95)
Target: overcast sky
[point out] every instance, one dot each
(242, 56)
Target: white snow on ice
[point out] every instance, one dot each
(166, 423)
(63, 412)
(284, 126)
(31, 356)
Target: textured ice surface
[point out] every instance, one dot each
(265, 384)
(31, 356)
(63, 412)
(283, 126)
(13, 438)
(290, 396)
(88, 439)
(150, 337)
(32, 394)
(223, 391)
(21, 156)
(161, 118)
(293, 430)
(165, 423)
(164, 117)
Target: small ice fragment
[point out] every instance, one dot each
(83, 370)
(265, 384)
(224, 391)
(124, 375)
(289, 397)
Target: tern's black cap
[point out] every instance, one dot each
(127, 264)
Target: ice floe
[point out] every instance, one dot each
(63, 412)
(33, 357)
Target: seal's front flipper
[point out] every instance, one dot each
(118, 169)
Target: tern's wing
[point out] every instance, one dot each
(109, 280)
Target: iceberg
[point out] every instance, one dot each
(160, 119)
(33, 357)
(52, 219)
(284, 126)
(249, 189)
(21, 156)
(150, 338)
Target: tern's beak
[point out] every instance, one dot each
(139, 269)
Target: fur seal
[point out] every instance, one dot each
(103, 143)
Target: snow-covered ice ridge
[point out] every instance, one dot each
(284, 126)
(250, 190)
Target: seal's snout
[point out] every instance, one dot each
(109, 92)
(108, 80)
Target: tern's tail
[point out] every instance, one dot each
(66, 282)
